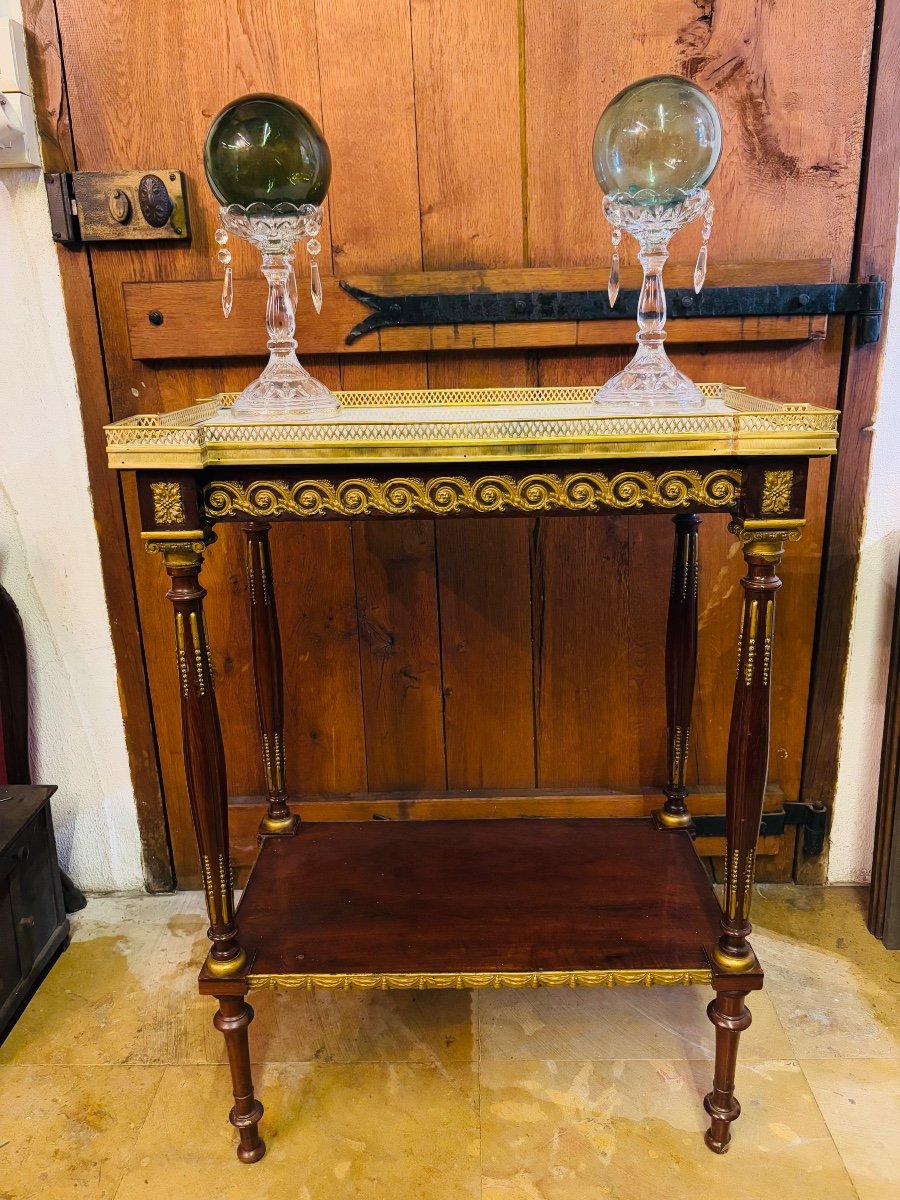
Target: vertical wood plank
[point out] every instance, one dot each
(584, 680)
(874, 254)
(107, 494)
(589, 726)
(324, 738)
(486, 624)
(118, 66)
(788, 179)
(400, 655)
(370, 121)
(467, 74)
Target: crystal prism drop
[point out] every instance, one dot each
(227, 293)
(613, 286)
(292, 288)
(315, 285)
(700, 269)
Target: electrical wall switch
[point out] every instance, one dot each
(19, 144)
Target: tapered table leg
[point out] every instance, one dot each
(267, 677)
(748, 742)
(745, 785)
(232, 1020)
(681, 669)
(204, 758)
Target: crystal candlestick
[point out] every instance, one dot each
(650, 377)
(285, 388)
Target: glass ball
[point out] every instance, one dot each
(660, 137)
(267, 149)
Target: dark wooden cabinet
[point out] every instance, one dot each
(33, 924)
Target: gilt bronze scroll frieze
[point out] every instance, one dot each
(581, 491)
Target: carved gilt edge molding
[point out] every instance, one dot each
(576, 492)
(486, 979)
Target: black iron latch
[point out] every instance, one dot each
(114, 206)
(812, 817)
(864, 300)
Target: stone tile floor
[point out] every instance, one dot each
(113, 1083)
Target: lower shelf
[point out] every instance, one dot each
(478, 904)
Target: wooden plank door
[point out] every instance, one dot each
(463, 655)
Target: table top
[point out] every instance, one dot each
(462, 425)
(399, 904)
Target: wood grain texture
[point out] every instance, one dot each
(246, 812)
(192, 313)
(460, 136)
(400, 654)
(394, 565)
(788, 178)
(681, 662)
(114, 123)
(204, 757)
(874, 253)
(51, 106)
(486, 652)
(474, 896)
(469, 154)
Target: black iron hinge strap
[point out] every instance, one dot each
(866, 300)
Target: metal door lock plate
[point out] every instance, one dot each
(116, 206)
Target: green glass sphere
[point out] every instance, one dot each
(659, 138)
(266, 149)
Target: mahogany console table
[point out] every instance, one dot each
(466, 903)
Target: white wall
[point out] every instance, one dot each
(49, 558)
(853, 828)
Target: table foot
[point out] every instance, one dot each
(730, 1015)
(255, 1150)
(233, 1020)
(717, 1147)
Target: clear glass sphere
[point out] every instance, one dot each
(267, 149)
(660, 137)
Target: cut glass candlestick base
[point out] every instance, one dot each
(652, 381)
(285, 389)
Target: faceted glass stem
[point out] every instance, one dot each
(650, 379)
(285, 387)
(651, 315)
(280, 318)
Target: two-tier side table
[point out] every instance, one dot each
(466, 904)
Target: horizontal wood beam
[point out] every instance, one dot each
(183, 319)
